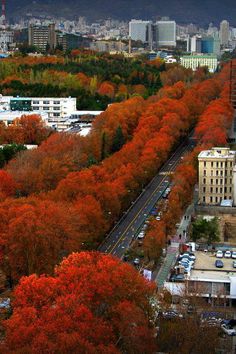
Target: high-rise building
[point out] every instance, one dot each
(196, 44)
(224, 33)
(166, 33)
(42, 36)
(216, 175)
(140, 31)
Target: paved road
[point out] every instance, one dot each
(120, 237)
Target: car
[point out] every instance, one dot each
(136, 261)
(233, 255)
(188, 255)
(219, 254)
(141, 235)
(187, 259)
(177, 277)
(234, 264)
(227, 254)
(171, 314)
(228, 330)
(158, 218)
(219, 264)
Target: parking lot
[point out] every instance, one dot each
(206, 261)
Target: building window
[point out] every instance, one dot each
(216, 199)
(204, 199)
(221, 173)
(221, 164)
(204, 189)
(230, 189)
(216, 189)
(204, 163)
(211, 164)
(225, 189)
(210, 199)
(204, 172)
(216, 181)
(221, 190)
(211, 190)
(204, 180)
(46, 108)
(46, 102)
(56, 102)
(211, 181)
(217, 164)
(217, 172)
(211, 172)
(221, 181)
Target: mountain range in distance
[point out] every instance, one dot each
(201, 12)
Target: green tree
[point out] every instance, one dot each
(208, 230)
(118, 140)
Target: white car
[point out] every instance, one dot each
(227, 254)
(141, 235)
(228, 330)
(219, 254)
(233, 255)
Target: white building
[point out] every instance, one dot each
(166, 33)
(195, 61)
(224, 33)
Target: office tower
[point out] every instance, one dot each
(42, 36)
(166, 33)
(224, 33)
(140, 31)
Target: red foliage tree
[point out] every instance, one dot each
(94, 304)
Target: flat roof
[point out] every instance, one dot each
(215, 153)
(218, 276)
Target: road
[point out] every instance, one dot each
(119, 239)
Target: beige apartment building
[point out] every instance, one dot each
(216, 182)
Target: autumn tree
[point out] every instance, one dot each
(93, 304)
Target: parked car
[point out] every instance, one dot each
(227, 254)
(228, 330)
(219, 254)
(171, 314)
(234, 264)
(136, 261)
(219, 264)
(233, 255)
(158, 218)
(188, 255)
(177, 277)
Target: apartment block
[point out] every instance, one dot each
(216, 175)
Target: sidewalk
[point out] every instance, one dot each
(173, 249)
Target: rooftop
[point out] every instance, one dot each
(217, 152)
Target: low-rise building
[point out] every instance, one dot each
(195, 61)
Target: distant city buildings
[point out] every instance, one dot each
(159, 34)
